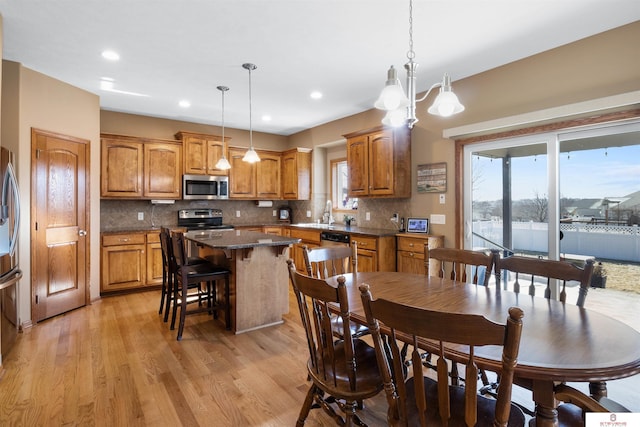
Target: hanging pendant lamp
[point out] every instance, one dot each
(223, 163)
(250, 156)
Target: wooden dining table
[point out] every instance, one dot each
(560, 342)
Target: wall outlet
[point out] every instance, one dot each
(367, 216)
(442, 199)
(275, 212)
(140, 216)
(308, 214)
(237, 214)
(394, 217)
(438, 219)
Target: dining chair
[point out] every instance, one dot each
(201, 278)
(344, 371)
(415, 398)
(323, 262)
(535, 269)
(456, 263)
(169, 271)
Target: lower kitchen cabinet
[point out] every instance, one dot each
(375, 253)
(310, 238)
(130, 261)
(410, 256)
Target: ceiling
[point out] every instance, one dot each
(181, 50)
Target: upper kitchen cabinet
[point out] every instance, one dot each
(202, 152)
(379, 162)
(296, 174)
(255, 181)
(140, 168)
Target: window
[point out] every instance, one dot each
(340, 186)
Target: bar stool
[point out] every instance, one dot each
(194, 276)
(169, 271)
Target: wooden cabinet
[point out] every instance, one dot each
(268, 173)
(410, 257)
(140, 168)
(310, 238)
(124, 262)
(130, 261)
(375, 253)
(243, 176)
(379, 162)
(202, 152)
(296, 174)
(154, 258)
(277, 230)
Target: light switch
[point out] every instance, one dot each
(367, 216)
(308, 214)
(140, 216)
(237, 214)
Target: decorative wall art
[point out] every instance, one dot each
(432, 178)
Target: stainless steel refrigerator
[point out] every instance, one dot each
(10, 272)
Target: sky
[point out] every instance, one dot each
(588, 174)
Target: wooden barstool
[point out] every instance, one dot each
(194, 276)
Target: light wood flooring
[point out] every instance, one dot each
(115, 363)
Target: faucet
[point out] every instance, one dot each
(327, 217)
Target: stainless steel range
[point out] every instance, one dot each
(201, 219)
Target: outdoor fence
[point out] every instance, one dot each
(616, 242)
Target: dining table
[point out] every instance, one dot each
(560, 342)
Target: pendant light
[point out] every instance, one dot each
(250, 156)
(223, 163)
(401, 108)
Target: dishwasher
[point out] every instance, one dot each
(332, 238)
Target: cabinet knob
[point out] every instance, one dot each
(410, 245)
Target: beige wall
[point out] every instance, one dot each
(33, 100)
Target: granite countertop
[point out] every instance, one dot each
(238, 239)
(378, 232)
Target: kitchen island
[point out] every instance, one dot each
(259, 282)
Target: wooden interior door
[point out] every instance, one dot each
(59, 223)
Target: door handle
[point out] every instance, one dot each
(82, 233)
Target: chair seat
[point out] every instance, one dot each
(369, 380)
(203, 270)
(486, 407)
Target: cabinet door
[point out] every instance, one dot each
(215, 149)
(121, 168)
(411, 262)
(123, 267)
(297, 254)
(367, 260)
(358, 164)
(242, 178)
(154, 259)
(296, 175)
(381, 162)
(268, 171)
(162, 171)
(195, 155)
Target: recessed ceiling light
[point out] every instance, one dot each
(266, 118)
(110, 55)
(316, 94)
(184, 103)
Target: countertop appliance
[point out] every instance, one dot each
(205, 187)
(201, 219)
(331, 238)
(10, 272)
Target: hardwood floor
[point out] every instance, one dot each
(115, 363)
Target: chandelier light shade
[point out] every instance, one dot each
(401, 107)
(223, 163)
(250, 156)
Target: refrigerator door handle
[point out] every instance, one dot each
(10, 183)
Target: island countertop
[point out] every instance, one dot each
(238, 239)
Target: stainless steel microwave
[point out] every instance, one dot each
(205, 187)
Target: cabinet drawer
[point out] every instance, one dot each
(364, 242)
(153, 237)
(411, 245)
(306, 235)
(123, 239)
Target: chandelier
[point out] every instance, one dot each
(401, 107)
